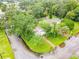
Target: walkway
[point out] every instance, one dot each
(20, 50)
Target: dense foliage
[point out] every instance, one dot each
(50, 7)
(23, 24)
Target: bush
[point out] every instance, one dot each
(71, 15)
(69, 23)
(44, 24)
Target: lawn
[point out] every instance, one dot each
(58, 40)
(5, 48)
(37, 44)
(76, 28)
(74, 57)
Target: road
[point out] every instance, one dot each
(22, 52)
(71, 48)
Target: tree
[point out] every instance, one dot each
(70, 4)
(38, 10)
(23, 24)
(76, 11)
(62, 7)
(25, 4)
(73, 14)
(47, 4)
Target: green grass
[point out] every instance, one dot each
(37, 44)
(5, 48)
(58, 40)
(74, 57)
(76, 28)
(40, 46)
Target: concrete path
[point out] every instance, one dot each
(20, 50)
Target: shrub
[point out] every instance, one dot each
(69, 23)
(71, 15)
